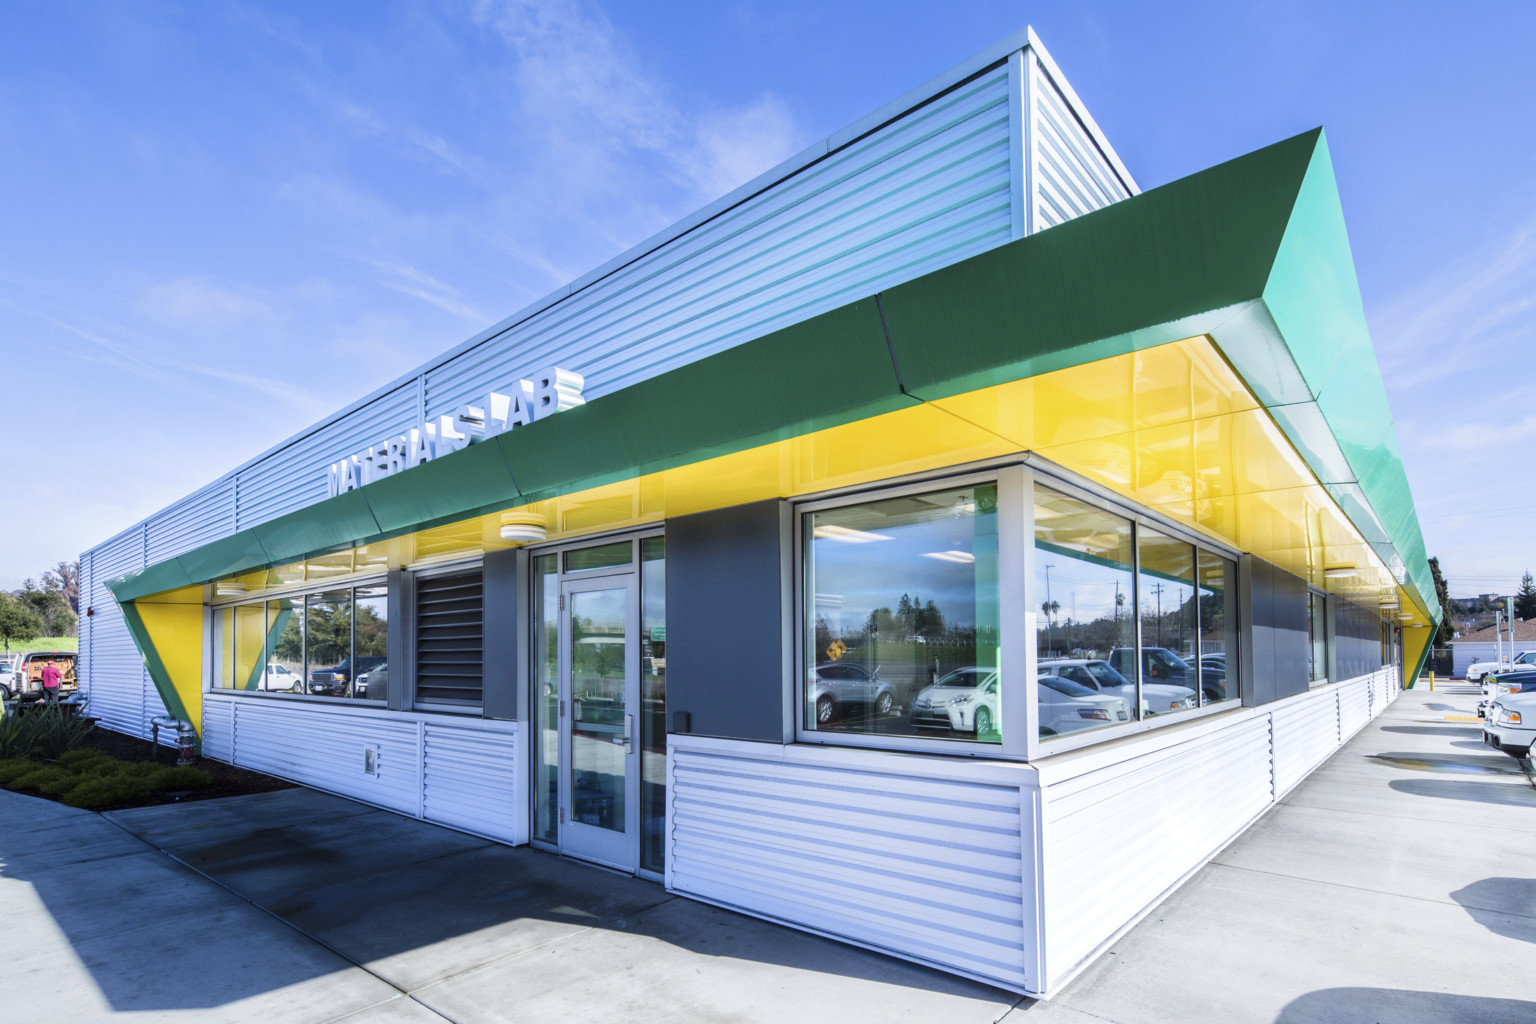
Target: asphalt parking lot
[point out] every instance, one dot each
(1395, 884)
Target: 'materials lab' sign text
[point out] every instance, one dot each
(526, 401)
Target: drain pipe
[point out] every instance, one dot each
(186, 736)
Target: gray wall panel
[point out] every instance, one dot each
(725, 662)
(500, 610)
(1277, 611)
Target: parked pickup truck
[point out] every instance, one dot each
(1478, 669)
(27, 681)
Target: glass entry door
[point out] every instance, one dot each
(599, 780)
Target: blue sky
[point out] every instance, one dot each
(221, 221)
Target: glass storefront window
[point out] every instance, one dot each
(901, 634)
(285, 645)
(653, 702)
(250, 646)
(1085, 635)
(1169, 638)
(546, 696)
(603, 556)
(370, 643)
(1317, 636)
(1218, 628)
(328, 643)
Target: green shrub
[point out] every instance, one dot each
(41, 775)
(79, 760)
(106, 791)
(169, 780)
(58, 731)
(13, 768)
(18, 735)
(60, 784)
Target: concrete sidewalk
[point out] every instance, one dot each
(1392, 885)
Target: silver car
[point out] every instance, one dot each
(1156, 698)
(838, 686)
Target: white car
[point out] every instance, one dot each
(1496, 687)
(281, 678)
(1478, 669)
(1156, 698)
(1511, 724)
(1067, 707)
(966, 700)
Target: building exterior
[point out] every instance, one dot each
(937, 544)
(1484, 644)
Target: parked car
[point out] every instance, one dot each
(27, 678)
(1067, 707)
(1156, 698)
(335, 682)
(282, 678)
(373, 684)
(7, 674)
(964, 700)
(1158, 665)
(1478, 669)
(1511, 724)
(1504, 684)
(837, 686)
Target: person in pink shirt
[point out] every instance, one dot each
(51, 678)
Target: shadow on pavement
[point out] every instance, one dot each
(414, 902)
(1433, 730)
(1481, 792)
(1402, 1006)
(1517, 898)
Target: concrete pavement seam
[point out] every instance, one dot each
(1375, 892)
(277, 917)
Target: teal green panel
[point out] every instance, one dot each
(167, 575)
(443, 489)
(1084, 289)
(152, 663)
(1304, 424)
(827, 371)
(337, 522)
(225, 557)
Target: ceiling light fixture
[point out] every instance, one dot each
(523, 529)
(962, 557)
(1340, 572)
(831, 531)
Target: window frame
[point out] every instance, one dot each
(300, 591)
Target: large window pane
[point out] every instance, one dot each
(250, 646)
(1317, 634)
(603, 556)
(546, 697)
(1168, 628)
(370, 616)
(285, 646)
(224, 645)
(653, 702)
(1085, 584)
(328, 643)
(1218, 628)
(902, 629)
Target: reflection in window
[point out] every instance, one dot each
(285, 645)
(546, 696)
(370, 643)
(1218, 628)
(328, 643)
(653, 702)
(602, 556)
(1317, 636)
(902, 629)
(331, 644)
(1168, 624)
(1085, 636)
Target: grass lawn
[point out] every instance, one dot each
(44, 643)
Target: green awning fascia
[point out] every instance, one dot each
(1221, 253)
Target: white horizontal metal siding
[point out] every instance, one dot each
(472, 779)
(1072, 175)
(324, 749)
(294, 476)
(115, 675)
(218, 732)
(200, 519)
(1305, 733)
(1119, 835)
(924, 191)
(1354, 705)
(927, 868)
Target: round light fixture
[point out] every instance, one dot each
(229, 588)
(523, 529)
(1340, 572)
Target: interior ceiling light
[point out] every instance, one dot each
(523, 529)
(229, 588)
(1340, 572)
(830, 531)
(963, 557)
(1405, 616)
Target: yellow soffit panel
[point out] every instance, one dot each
(1171, 427)
(176, 631)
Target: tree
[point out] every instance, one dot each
(58, 618)
(64, 579)
(1447, 631)
(1525, 597)
(18, 620)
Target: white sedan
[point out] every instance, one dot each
(1156, 698)
(1511, 724)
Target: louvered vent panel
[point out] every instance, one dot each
(449, 638)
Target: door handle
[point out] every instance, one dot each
(629, 726)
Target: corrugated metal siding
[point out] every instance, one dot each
(324, 749)
(1305, 732)
(1118, 836)
(472, 778)
(1072, 175)
(294, 476)
(197, 520)
(115, 671)
(927, 868)
(83, 657)
(920, 193)
(218, 732)
(1354, 705)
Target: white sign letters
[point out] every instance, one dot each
(527, 402)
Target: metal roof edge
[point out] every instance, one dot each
(1081, 110)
